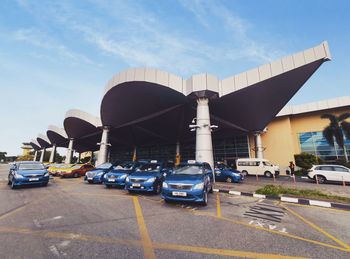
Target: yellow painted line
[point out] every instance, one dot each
(220, 252)
(313, 207)
(319, 229)
(12, 212)
(145, 238)
(283, 234)
(137, 243)
(218, 207)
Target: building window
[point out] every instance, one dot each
(314, 143)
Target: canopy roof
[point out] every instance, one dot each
(43, 141)
(57, 136)
(34, 143)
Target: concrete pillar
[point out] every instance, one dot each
(258, 145)
(42, 155)
(134, 155)
(103, 153)
(204, 145)
(69, 152)
(35, 155)
(53, 153)
(177, 156)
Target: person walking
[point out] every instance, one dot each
(291, 167)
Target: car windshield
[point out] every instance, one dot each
(124, 166)
(189, 170)
(222, 167)
(104, 166)
(33, 166)
(148, 167)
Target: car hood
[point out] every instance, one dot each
(144, 174)
(183, 178)
(31, 172)
(119, 172)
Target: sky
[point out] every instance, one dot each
(56, 55)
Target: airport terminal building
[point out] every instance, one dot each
(152, 114)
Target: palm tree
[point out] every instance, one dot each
(338, 129)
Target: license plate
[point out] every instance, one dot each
(136, 185)
(33, 179)
(111, 180)
(89, 178)
(182, 194)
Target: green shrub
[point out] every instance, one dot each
(306, 160)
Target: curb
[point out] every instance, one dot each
(324, 204)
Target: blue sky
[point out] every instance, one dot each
(58, 55)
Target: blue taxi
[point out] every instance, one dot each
(27, 173)
(224, 173)
(96, 175)
(148, 177)
(191, 181)
(116, 177)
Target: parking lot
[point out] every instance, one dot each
(72, 219)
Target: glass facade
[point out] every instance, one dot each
(224, 149)
(316, 144)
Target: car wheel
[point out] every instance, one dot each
(321, 179)
(244, 172)
(205, 199)
(211, 189)
(158, 189)
(229, 180)
(44, 184)
(13, 186)
(90, 181)
(130, 191)
(108, 186)
(268, 174)
(75, 175)
(9, 182)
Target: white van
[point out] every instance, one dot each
(256, 166)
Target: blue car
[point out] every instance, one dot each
(27, 173)
(227, 174)
(148, 177)
(96, 175)
(191, 181)
(116, 177)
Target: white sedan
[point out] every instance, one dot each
(325, 173)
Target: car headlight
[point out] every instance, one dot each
(165, 185)
(199, 186)
(150, 180)
(47, 174)
(122, 176)
(18, 176)
(127, 179)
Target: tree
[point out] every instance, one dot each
(3, 156)
(338, 130)
(306, 160)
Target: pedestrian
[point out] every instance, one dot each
(291, 167)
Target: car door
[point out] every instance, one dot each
(329, 173)
(218, 174)
(341, 173)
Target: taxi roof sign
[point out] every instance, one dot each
(154, 161)
(191, 161)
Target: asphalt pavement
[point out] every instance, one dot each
(72, 219)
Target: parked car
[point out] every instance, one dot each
(148, 177)
(27, 173)
(224, 173)
(257, 166)
(191, 181)
(116, 177)
(55, 168)
(337, 173)
(76, 170)
(96, 175)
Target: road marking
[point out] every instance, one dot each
(12, 212)
(218, 206)
(319, 229)
(310, 207)
(282, 234)
(266, 212)
(289, 199)
(162, 246)
(220, 252)
(320, 203)
(54, 250)
(145, 238)
(234, 192)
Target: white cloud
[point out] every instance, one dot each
(39, 39)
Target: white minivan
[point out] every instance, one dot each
(256, 166)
